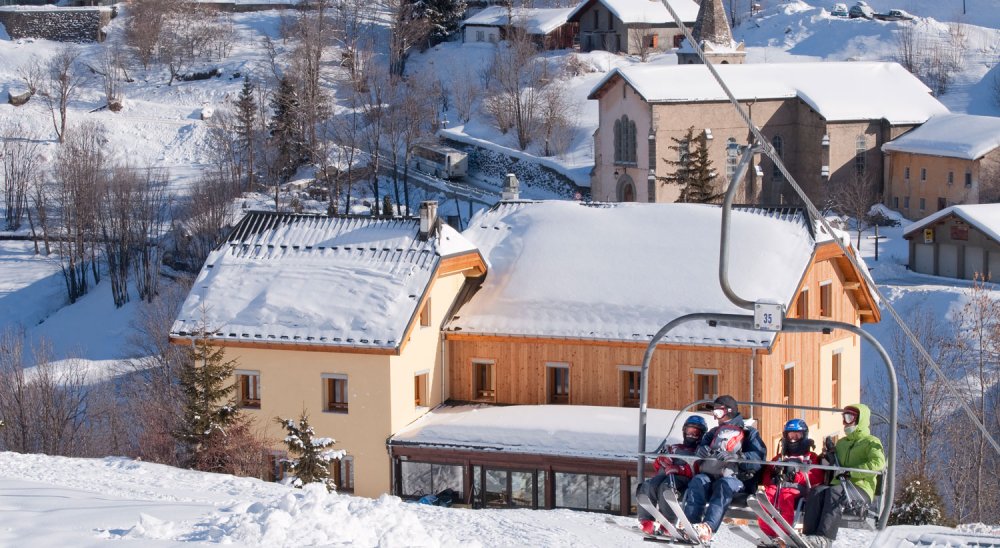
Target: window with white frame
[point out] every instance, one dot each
(484, 383)
(335, 396)
(342, 473)
(248, 384)
(420, 388)
(826, 299)
(835, 378)
(425, 313)
(788, 389)
(732, 157)
(706, 383)
(631, 378)
(480, 36)
(558, 382)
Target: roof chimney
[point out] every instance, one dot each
(511, 188)
(428, 217)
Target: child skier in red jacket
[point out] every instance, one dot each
(786, 483)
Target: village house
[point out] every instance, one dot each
(543, 352)
(826, 127)
(961, 241)
(951, 159)
(502, 364)
(335, 316)
(631, 26)
(548, 28)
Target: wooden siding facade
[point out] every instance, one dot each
(521, 365)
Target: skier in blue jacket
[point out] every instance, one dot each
(721, 476)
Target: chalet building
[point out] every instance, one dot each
(335, 316)
(548, 28)
(543, 352)
(952, 159)
(631, 26)
(827, 128)
(961, 241)
(713, 37)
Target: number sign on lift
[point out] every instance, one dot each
(768, 316)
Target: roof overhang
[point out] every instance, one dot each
(855, 281)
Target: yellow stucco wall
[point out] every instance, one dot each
(904, 193)
(380, 391)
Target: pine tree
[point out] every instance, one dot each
(387, 209)
(246, 123)
(693, 171)
(443, 17)
(314, 455)
(287, 128)
(918, 504)
(209, 408)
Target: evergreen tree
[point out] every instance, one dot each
(442, 16)
(209, 408)
(387, 209)
(314, 455)
(246, 123)
(918, 504)
(693, 171)
(287, 128)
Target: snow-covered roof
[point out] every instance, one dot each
(619, 272)
(984, 217)
(316, 280)
(953, 135)
(534, 20)
(643, 11)
(831, 88)
(564, 430)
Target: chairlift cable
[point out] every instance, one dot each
(768, 150)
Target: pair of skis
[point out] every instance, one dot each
(787, 535)
(679, 532)
(682, 533)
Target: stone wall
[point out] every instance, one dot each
(59, 24)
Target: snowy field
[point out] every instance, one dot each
(54, 501)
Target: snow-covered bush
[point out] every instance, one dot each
(918, 504)
(312, 464)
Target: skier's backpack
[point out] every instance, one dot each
(728, 438)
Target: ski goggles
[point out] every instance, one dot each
(692, 431)
(849, 417)
(719, 412)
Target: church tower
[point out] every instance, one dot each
(712, 34)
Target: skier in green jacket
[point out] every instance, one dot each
(857, 449)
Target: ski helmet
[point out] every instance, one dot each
(797, 446)
(696, 422)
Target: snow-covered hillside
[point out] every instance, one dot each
(53, 501)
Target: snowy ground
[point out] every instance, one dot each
(54, 501)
